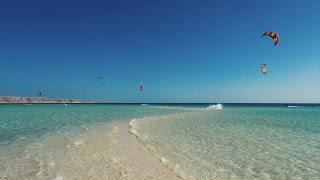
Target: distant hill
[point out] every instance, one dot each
(21, 99)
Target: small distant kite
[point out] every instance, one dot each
(40, 93)
(273, 35)
(141, 88)
(103, 79)
(264, 68)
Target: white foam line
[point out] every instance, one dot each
(133, 127)
(174, 168)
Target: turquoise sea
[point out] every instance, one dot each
(241, 141)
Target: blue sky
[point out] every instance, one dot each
(181, 51)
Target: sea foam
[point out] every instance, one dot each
(172, 166)
(133, 127)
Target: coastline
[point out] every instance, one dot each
(42, 100)
(142, 138)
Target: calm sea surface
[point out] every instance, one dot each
(237, 142)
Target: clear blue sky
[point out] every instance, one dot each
(181, 50)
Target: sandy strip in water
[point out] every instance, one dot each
(109, 152)
(104, 151)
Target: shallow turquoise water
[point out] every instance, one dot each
(237, 142)
(24, 121)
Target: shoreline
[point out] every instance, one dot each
(173, 167)
(127, 157)
(104, 151)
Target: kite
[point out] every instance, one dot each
(264, 68)
(273, 35)
(141, 88)
(103, 79)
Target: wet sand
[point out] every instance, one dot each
(107, 152)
